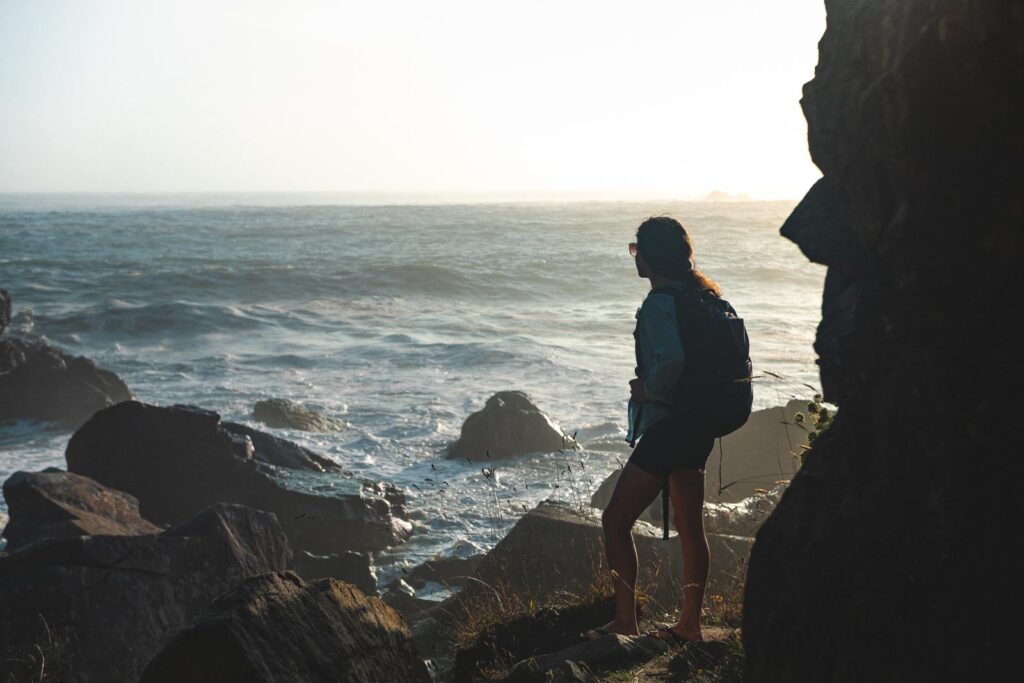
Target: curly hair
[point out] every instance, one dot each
(667, 249)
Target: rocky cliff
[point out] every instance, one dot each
(886, 559)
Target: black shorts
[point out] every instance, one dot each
(669, 445)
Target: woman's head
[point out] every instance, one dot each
(664, 246)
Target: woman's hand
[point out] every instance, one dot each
(636, 389)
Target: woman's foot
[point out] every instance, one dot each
(676, 635)
(608, 629)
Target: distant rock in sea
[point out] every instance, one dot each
(283, 414)
(719, 196)
(509, 424)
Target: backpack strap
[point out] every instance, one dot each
(664, 510)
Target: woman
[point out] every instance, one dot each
(669, 447)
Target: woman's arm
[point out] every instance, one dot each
(659, 326)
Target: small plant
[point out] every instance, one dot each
(816, 421)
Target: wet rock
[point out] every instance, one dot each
(55, 504)
(178, 460)
(275, 627)
(555, 549)
(5, 310)
(610, 652)
(916, 120)
(509, 424)
(39, 382)
(283, 414)
(102, 606)
(449, 571)
(354, 568)
(272, 450)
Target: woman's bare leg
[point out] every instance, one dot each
(633, 493)
(687, 489)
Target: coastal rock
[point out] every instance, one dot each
(39, 382)
(5, 310)
(354, 568)
(178, 460)
(55, 504)
(99, 607)
(283, 414)
(272, 450)
(509, 424)
(556, 549)
(757, 457)
(276, 628)
(916, 119)
(453, 571)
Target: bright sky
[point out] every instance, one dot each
(670, 98)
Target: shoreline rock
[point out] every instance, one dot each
(40, 382)
(178, 460)
(509, 424)
(100, 607)
(276, 627)
(5, 310)
(56, 504)
(284, 414)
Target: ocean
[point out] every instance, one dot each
(399, 319)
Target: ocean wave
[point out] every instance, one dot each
(143, 321)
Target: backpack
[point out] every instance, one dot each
(714, 392)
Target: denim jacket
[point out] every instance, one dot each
(659, 360)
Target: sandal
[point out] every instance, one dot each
(667, 634)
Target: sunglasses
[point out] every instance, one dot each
(632, 248)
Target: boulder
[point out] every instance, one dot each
(448, 571)
(39, 382)
(555, 549)
(733, 519)
(509, 424)
(354, 568)
(283, 414)
(5, 310)
(276, 627)
(886, 557)
(178, 460)
(99, 607)
(55, 504)
(273, 450)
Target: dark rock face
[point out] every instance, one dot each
(5, 310)
(886, 558)
(509, 424)
(55, 504)
(105, 605)
(178, 460)
(39, 382)
(276, 628)
(284, 414)
(354, 568)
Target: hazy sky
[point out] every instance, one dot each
(672, 98)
